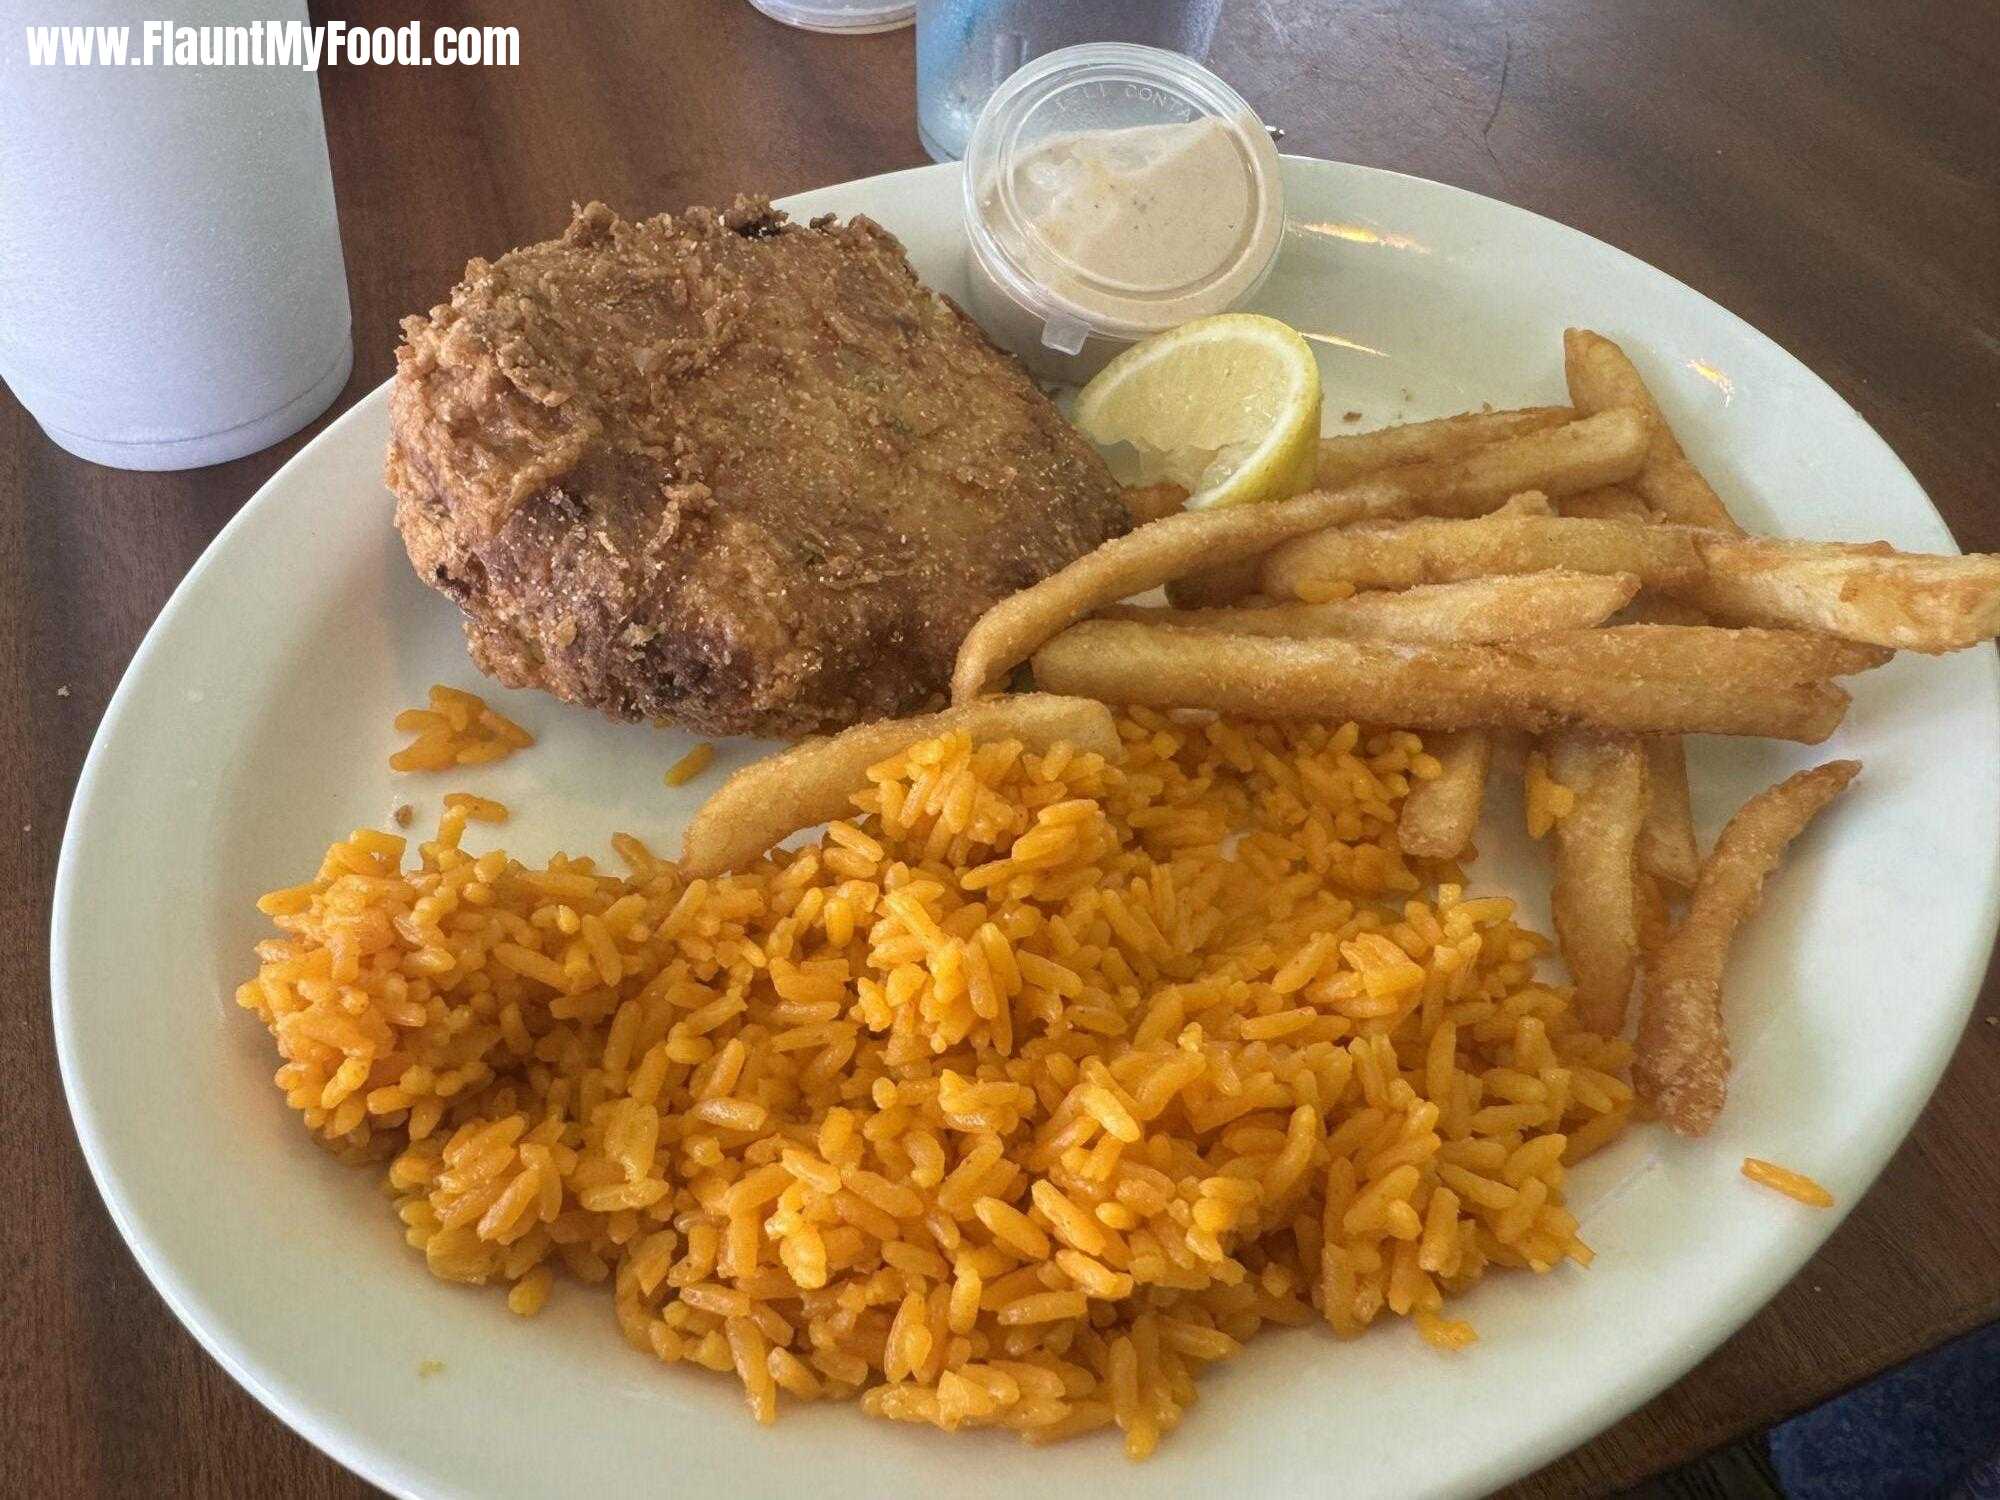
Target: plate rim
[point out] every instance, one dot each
(379, 1465)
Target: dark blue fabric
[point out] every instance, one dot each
(1927, 1429)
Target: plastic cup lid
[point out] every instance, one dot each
(1121, 189)
(852, 17)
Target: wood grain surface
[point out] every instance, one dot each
(1831, 172)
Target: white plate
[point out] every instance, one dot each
(254, 723)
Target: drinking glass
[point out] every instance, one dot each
(965, 48)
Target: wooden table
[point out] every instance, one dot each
(1830, 172)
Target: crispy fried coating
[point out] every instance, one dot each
(721, 469)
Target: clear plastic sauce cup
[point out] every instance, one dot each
(1112, 192)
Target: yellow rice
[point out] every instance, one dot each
(1547, 800)
(456, 729)
(691, 765)
(1785, 1180)
(1014, 1101)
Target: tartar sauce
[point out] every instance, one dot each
(1114, 192)
(1148, 209)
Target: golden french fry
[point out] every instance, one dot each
(1752, 657)
(815, 780)
(1356, 455)
(1441, 815)
(1594, 898)
(1608, 502)
(1423, 687)
(1556, 460)
(1149, 502)
(1602, 449)
(1682, 1067)
(1865, 592)
(1434, 551)
(1667, 849)
(1601, 378)
(1478, 609)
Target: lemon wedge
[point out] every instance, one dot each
(1226, 407)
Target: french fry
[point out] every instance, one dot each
(1478, 609)
(1441, 815)
(1667, 848)
(1752, 657)
(1865, 592)
(1557, 461)
(1423, 687)
(1608, 502)
(1601, 378)
(1682, 1065)
(815, 780)
(1434, 551)
(1149, 502)
(1356, 455)
(1602, 449)
(1594, 898)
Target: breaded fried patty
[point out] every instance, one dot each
(747, 475)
